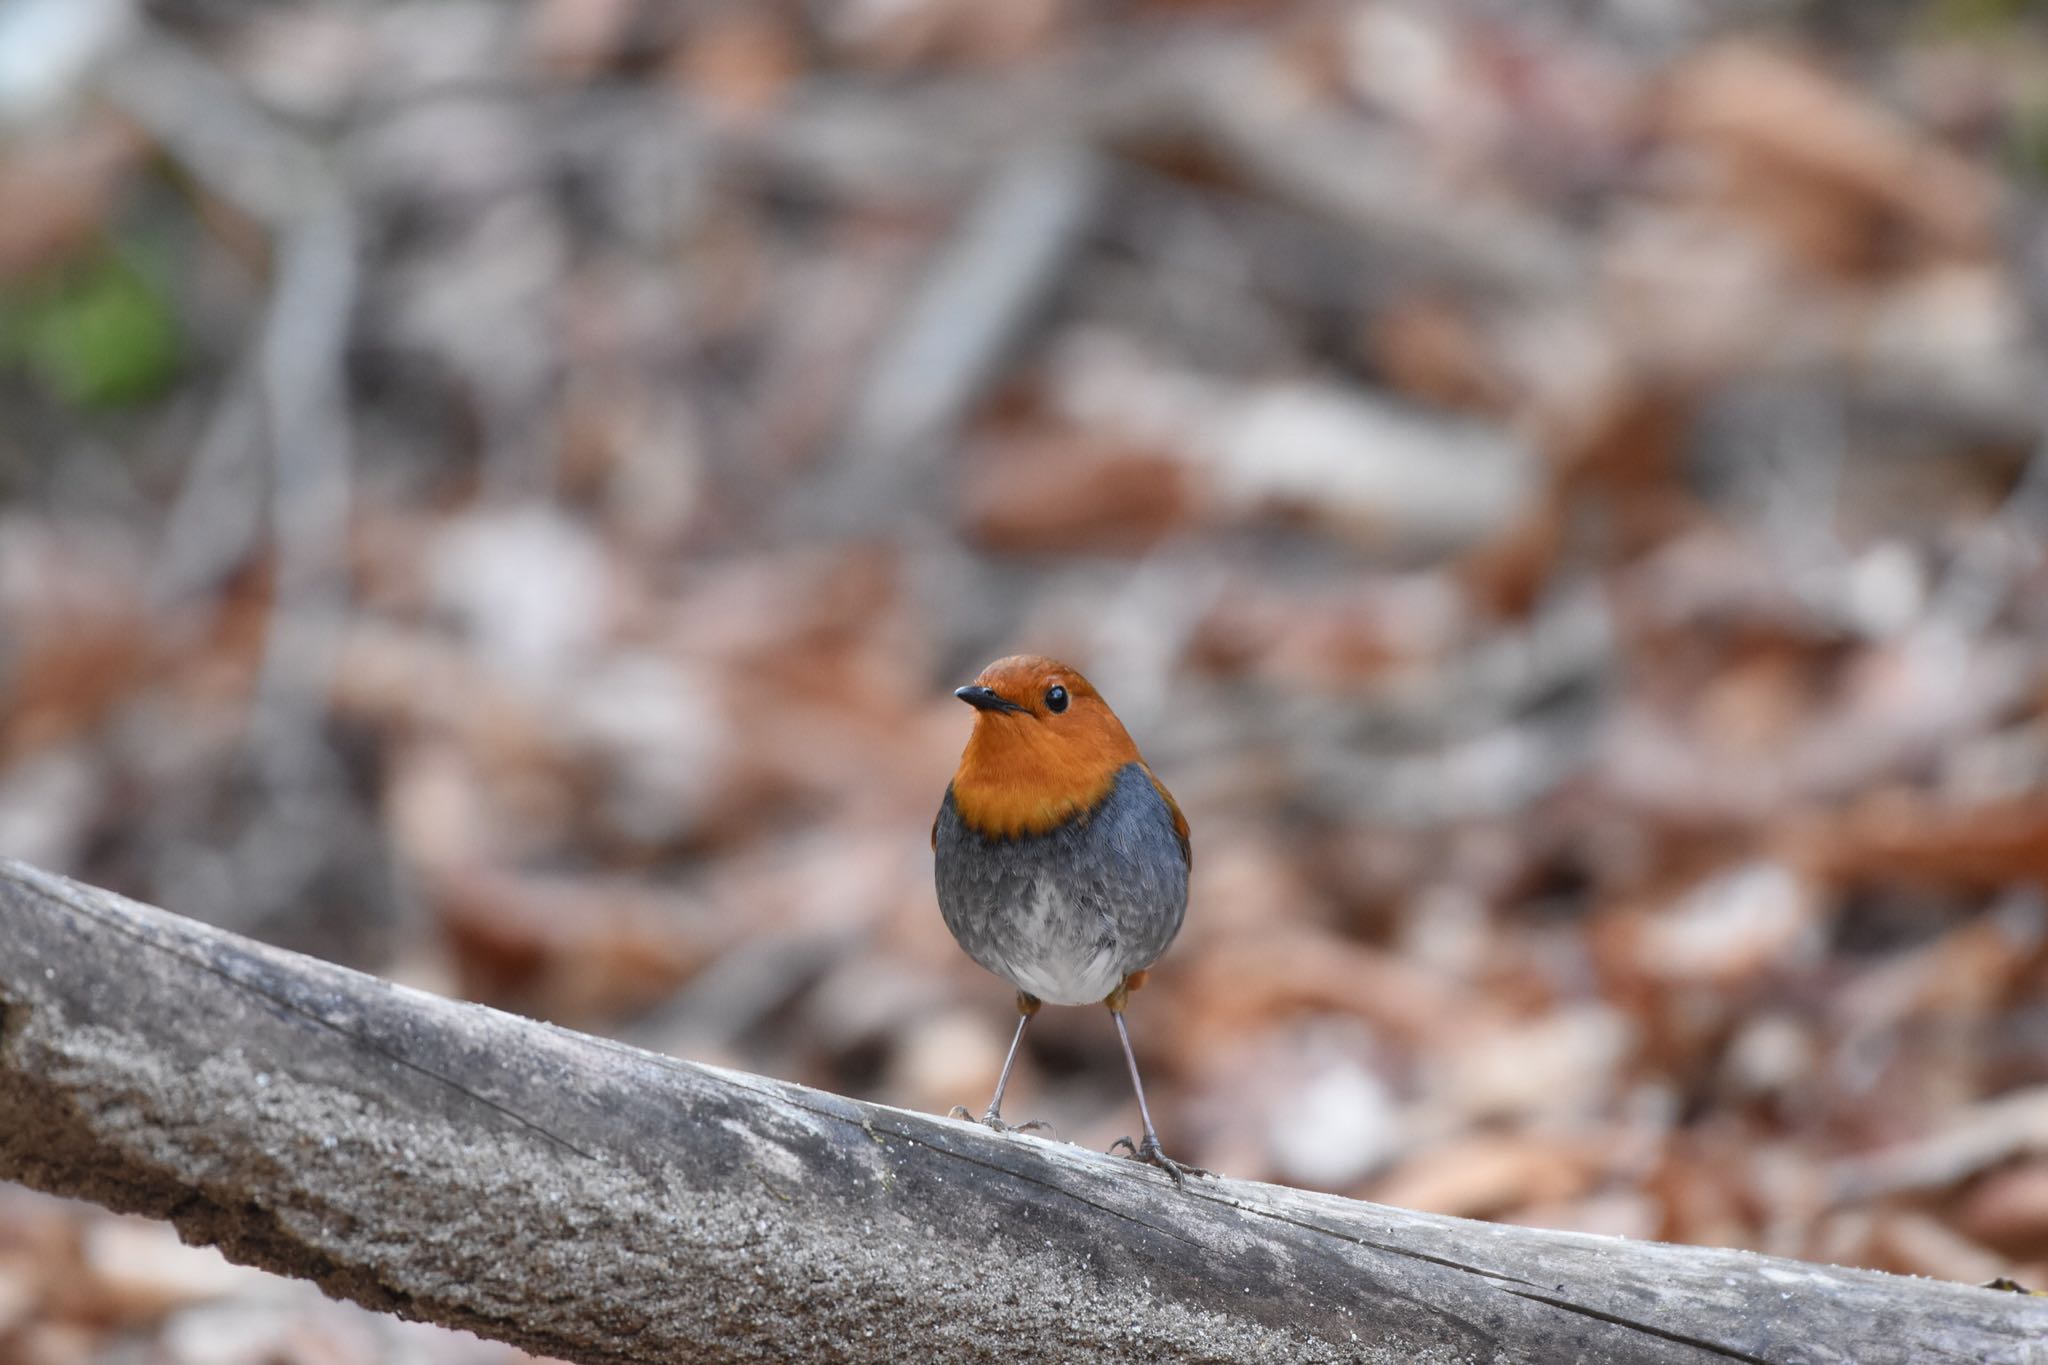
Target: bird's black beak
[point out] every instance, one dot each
(986, 699)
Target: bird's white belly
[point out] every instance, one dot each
(1046, 957)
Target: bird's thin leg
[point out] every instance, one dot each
(1130, 1059)
(1146, 1149)
(995, 1105)
(1027, 1006)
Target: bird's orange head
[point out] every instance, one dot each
(1045, 749)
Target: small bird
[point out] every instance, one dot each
(1061, 861)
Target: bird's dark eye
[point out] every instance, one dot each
(1056, 699)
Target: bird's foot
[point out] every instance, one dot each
(1147, 1150)
(1028, 1126)
(993, 1120)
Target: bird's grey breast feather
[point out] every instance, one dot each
(1070, 912)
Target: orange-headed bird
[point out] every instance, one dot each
(1062, 862)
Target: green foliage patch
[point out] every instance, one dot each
(98, 332)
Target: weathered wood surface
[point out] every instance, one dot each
(584, 1199)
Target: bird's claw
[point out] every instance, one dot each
(996, 1123)
(1147, 1150)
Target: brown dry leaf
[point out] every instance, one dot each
(1432, 350)
(55, 1343)
(1963, 975)
(75, 631)
(41, 1227)
(59, 190)
(1331, 640)
(39, 1239)
(1507, 573)
(1567, 1064)
(436, 810)
(740, 60)
(1921, 843)
(572, 949)
(1910, 1242)
(579, 39)
(1694, 300)
(140, 1270)
(1704, 1196)
(1755, 704)
(1819, 166)
(1757, 918)
(823, 621)
(1487, 1176)
(1628, 437)
(1070, 491)
(950, 31)
(1245, 880)
(1610, 1213)
(1242, 981)
(20, 1293)
(2008, 1211)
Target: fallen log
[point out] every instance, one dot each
(584, 1199)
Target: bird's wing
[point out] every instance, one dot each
(1180, 822)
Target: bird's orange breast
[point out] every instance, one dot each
(1009, 812)
(1019, 776)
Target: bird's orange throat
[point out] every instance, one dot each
(1020, 776)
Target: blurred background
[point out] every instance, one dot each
(499, 495)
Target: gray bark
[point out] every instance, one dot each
(580, 1198)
